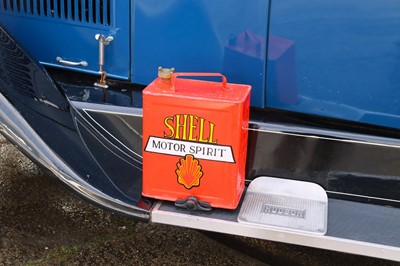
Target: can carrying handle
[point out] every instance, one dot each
(196, 74)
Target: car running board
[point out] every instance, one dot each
(351, 227)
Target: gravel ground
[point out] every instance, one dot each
(42, 223)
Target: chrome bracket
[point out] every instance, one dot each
(102, 83)
(103, 41)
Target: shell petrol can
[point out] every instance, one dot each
(195, 139)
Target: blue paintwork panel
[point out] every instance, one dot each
(48, 30)
(337, 59)
(331, 58)
(227, 36)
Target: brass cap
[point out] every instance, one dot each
(165, 73)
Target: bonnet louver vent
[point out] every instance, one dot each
(14, 68)
(84, 11)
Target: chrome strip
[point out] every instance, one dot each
(110, 109)
(362, 196)
(326, 135)
(14, 127)
(273, 234)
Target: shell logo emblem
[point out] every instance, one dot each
(189, 171)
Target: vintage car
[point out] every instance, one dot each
(321, 167)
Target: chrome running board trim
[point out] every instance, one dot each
(225, 222)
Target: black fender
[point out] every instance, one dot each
(38, 117)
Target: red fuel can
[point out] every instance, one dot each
(195, 139)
